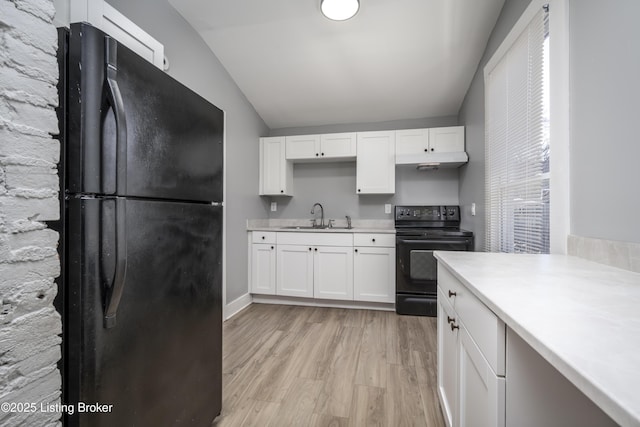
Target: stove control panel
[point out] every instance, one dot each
(427, 213)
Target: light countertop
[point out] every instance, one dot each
(582, 317)
(359, 226)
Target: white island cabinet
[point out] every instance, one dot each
(536, 340)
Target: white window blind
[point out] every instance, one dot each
(517, 144)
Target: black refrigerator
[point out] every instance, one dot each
(140, 292)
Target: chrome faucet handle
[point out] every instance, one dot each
(331, 221)
(313, 223)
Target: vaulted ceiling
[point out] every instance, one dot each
(396, 59)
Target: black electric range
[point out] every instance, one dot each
(420, 230)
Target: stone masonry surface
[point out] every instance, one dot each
(30, 327)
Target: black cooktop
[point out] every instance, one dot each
(429, 221)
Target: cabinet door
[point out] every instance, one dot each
(333, 272)
(375, 163)
(374, 274)
(447, 362)
(301, 147)
(412, 141)
(481, 392)
(275, 172)
(263, 269)
(446, 139)
(338, 145)
(295, 271)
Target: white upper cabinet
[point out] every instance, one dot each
(276, 173)
(335, 146)
(443, 146)
(338, 145)
(106, 18)
(301, 147)
(412, 141)
(446, 139)
(375, 163)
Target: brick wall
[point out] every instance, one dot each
(29, 324)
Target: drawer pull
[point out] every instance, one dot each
(373, 240)
(452, 294)
(262, 237)
(454, 327)
(450, 319)
(271, 247)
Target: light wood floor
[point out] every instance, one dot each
(309, 366)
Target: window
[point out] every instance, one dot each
(517, 143)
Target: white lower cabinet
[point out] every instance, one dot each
(315, 272)
(333, 272)
(447, 362)
(481, 392)
(295, 271)
(263, 268)
(335, 266)
(471, 392)
(374, 271)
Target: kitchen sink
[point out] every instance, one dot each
(309, 227)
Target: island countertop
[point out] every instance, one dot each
(581, 316)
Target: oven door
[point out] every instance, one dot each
(416, 267)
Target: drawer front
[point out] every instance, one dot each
(315, 239)
(486, 329)
(374, 239)
(263, 237)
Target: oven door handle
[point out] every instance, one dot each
(431, 242)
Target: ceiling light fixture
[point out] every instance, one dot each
(339, 10)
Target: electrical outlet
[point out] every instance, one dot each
(274, 206)
(473, 209)
(387, 208)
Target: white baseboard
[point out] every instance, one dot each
(237, 305)
(310, 302)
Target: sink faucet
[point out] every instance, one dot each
(313, 209)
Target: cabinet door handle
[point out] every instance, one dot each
(426, 149)
(454, 327)
(322, 154)
(309, 248)
(450, 319)
(262, 237)
(315, 249)
(452, 294)
(282, 191)
(373, 240)
(432, 149)
(271, 247)
(358, 190)
(316, 154)
(355, 250)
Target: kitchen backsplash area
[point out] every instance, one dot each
(334, 185)
(625, 255)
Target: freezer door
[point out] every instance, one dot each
(158, 361)
(135, 131)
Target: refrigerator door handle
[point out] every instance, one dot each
(114, 292)
(114, 97)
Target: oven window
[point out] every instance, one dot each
(422, 265)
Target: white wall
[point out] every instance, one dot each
(29, 323)
(604, 93)
(604, 64)
(334, 184)
(194, 65)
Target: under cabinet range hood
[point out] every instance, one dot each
(429, 161)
